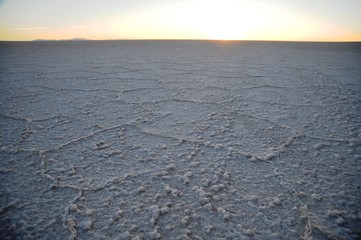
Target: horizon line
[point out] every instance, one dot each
(181, 39)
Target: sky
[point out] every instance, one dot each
(290, 20)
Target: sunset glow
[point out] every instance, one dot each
(320, 20)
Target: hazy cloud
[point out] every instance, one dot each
(30, 28)
(78, 27)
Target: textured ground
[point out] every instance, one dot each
(180, 140)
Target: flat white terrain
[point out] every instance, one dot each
(180, 140)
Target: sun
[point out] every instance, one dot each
(224, 21)
(224, 31)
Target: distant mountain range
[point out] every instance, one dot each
(73, 39)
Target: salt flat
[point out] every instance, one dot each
(180, 140)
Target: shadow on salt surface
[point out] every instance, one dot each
(324, 180)
(30, 208)
(167, 168)
(192, 192)
(180, 117)
(93, 161)
(146, 95)
(203, 94)
(58, 130)
(11, 130)
(220, 127)
(318, 120)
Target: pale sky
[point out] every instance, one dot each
(296, 20)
